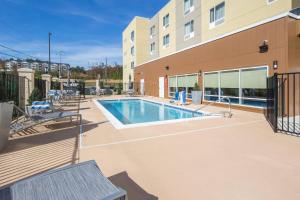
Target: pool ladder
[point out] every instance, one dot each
(227, 113)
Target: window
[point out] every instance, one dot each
(166, 40)
(182, 83)
(152, 47)
(132, 65)
(172, 86)
(189, 30)
(152, 31)
(132, 36)
(188, 6)
(253, 86)
(211, 86)
(241, 86)
(229, 85)
(166, 20)
(217, 15)
(132, 51)
(270, 1)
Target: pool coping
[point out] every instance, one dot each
(119, 125)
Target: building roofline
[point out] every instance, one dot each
(276, 17)
(134, 18)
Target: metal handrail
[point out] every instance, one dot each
(218, 101)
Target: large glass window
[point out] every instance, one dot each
(253, 86)
(229, 83)
(243, 86)
(172, 86)
(182, 83)
(211, 84)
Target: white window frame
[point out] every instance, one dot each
(191, 34)
(191, 7)
(152, 31)
(132, 51)
(270, 2)
(167, 16)
(132, 65)
(215, 21)
(240, 88)
(132, 36)
(165, 45)
(152, 50)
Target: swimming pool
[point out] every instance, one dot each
(128, 112)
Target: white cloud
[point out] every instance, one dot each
(76, 53)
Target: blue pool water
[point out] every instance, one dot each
(135, 111)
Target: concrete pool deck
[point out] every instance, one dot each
(237, 158)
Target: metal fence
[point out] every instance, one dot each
(283, 102)
(135, 86)
(9, 87)
(12, 89)
(41, 86)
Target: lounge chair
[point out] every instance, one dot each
(175, 99)
(28, 120)
(130, 92)
(182, 98)
(79, 181)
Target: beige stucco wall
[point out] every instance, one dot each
(140, 27)
(142, 40)
(171, 29)
(239, 14)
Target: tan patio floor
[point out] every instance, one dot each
(237, 158)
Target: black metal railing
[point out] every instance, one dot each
(41, 86)
(283, 102)
(271, 105)
(9, 87)
(12, 89)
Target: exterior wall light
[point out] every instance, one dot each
(167, 67)
(264, 47)
(275, 64)
(200, 72)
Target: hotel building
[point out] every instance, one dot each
(228, 48)
(135, 39)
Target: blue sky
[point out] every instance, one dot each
(86, 31)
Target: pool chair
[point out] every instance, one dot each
(40, 106)
(130, 92)
(175, 99)
(29, 120)
(182, 98)
(79, 181)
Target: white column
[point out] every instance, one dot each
(28, 84)
(47, 78)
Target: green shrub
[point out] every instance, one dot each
(35, 96)
(196, 87)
